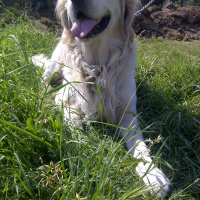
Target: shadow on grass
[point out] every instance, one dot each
(178, 123)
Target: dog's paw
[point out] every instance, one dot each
(158, 180)
(154, 178)
(39, 60)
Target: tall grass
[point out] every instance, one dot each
(43, 156)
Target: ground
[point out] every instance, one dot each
(42, 157)
(170, 22)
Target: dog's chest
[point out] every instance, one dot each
(95, 90)
(101, 88)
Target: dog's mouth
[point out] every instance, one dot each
(85, 27)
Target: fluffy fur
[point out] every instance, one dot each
(107, 60)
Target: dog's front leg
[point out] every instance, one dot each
(50, 66)
(151, 175)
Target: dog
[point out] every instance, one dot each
(97, 52)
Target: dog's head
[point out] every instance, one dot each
(87, 19)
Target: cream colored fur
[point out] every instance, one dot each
(108, 61)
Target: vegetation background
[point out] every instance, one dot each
(178, 2)
(44, 157)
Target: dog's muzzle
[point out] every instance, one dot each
(86, 27)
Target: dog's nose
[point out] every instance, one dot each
(77, 2)
(79, 6)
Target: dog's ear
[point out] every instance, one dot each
(129, 10)
(61, 12)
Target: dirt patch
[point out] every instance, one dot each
(170, 22)
(45, 15)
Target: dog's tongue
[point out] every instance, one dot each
(82, 27)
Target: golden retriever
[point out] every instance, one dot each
(97, 48)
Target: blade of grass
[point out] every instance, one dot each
(28, 187)
(22, 48)
(25, 132)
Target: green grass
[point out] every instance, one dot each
(43, 157)
(169, 99)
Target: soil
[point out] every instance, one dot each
(168, 22)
